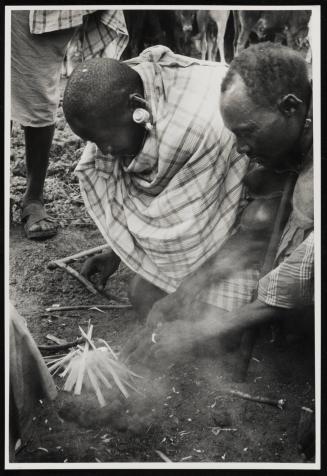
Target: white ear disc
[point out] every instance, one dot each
(142, 116)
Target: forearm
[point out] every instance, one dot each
(219, 266)
(218, 322)
(242, 251)
(111, 255)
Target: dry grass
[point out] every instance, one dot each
(93, 367)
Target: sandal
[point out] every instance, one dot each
(32, 213)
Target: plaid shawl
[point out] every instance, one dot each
(177, 201)
(102, 28)
(291, 283)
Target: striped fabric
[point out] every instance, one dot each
(103, 28)
(290, 284)
(233, 292)
(176, 203)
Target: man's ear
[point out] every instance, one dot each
(289, 104)
(136, 100)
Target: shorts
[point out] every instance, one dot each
(35, 71)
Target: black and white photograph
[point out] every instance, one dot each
(162, 275)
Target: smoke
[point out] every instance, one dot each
(195, 335)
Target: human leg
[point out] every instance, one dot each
(35, 67)
(37, 146)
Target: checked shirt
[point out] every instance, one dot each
(102, 28)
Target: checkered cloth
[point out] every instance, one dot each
(290, 284)
(233, 292)
(176, 203)
(102, 27)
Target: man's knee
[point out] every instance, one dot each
(143, 295)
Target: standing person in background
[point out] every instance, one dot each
(39, 39)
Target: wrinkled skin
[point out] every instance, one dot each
(269, 134)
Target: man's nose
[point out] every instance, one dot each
(105, 148)
(242, 147)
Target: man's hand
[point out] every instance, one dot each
(168, 342)
(175, 339)
(168, 309)
(105, 265)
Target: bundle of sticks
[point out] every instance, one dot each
(92, 367)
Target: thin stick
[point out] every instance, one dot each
(109, 348)
(88, 307)
(250, 335)
(62, 263)
(68, 357)
(102, 377)
(87, 337)
(50, 357)
(276, 403)
(76, 256)
(79, 381)
(76, 275)
(118, 382)
(96, 387)
(65, 372)
(71, 380)
(163, 456)
(122, 366)
(55, 348)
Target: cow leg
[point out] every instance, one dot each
(241, 42)
(221, 27)
(211, 49)
(237, 26)
(220, 43)
(204, 46)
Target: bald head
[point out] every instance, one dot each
(98, 91)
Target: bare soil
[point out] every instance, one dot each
(186, 403)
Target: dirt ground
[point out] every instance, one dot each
(187, 414)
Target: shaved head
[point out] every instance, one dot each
(98, 91)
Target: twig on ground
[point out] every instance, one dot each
(276, 403)
(89, 286)
(88, 307)
(77, 256)
(163, 456)
(63, 264)
(55, 348)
